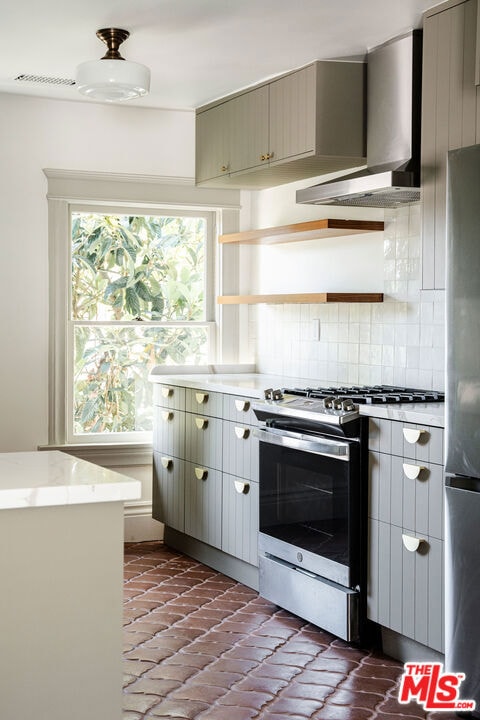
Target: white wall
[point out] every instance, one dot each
(37, 133)
(400, 341)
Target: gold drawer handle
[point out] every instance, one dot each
(413, 471)
(167, 392)
(167, 415)
(167, 462)
(242, 433)
(201, 398)
(242, 405)
(413, 435)
(411, 542)
(201, 473)
(242, 488)
(224, 168)
(201, 423)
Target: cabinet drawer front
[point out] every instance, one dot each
(168, 491)
(409, 440)
(240, 451)
(169, 431)
(203, 402)
(405, 494)
(238, 408)
(240, 518)
(418, 442)
(203, 440)
(405, 588)
(169, 396)
(203, 500)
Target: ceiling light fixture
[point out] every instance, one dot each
(112, 78)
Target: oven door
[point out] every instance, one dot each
(310, 502)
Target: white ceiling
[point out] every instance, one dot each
(198, 50)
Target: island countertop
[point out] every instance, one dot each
(53, 478)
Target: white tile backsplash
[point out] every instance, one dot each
(400, 341)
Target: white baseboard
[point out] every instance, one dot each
(139, 526)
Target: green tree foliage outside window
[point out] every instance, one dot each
(131, 274)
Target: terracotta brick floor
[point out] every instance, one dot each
(199, 645)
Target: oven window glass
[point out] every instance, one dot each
(305, 500)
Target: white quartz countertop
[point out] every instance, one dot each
(253, 384)
(46, 478)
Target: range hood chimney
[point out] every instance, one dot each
(394, 90)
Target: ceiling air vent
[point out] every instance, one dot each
(45, 80)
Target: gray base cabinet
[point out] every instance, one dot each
(205, 477)
(405, 574)
(203, 488)
(240, 518)
(168, 492)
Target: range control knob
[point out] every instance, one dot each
(268, 394)
(328, 402)
(348, 405)
(338, 404)
(277, 395)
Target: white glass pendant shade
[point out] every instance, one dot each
(113, 80)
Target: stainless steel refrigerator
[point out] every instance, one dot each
(462, 471)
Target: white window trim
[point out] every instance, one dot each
(69, 190)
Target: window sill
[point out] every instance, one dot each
(109, 455)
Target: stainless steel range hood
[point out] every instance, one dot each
(392, 176)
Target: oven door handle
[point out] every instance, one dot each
(337, 449)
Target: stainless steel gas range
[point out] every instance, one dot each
(313, 500)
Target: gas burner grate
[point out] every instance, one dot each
(370, 394)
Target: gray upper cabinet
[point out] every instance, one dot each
(292, 115)
(305, 123)
(450, 117)
(213, 143)
(249, 129)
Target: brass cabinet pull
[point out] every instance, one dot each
(242, 405)
(242, 433)
(167, 415)
(224, 168)
(413, 472)
(201, 397)
(411, 542)
(167, 462)
(201, 473)
(201, 423)
(242, 488)
(413, 435)
(167, 392)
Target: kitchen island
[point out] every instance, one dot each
(61, 568)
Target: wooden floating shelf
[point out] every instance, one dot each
(312, 230)
(305, 298)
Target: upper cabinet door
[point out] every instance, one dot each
(213, 132)
(249, 129)
(306, 123)
(449, 119)
(292, 115)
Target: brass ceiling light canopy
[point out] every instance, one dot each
(112, 78)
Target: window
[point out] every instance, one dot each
(133, 278)
(139, 297)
